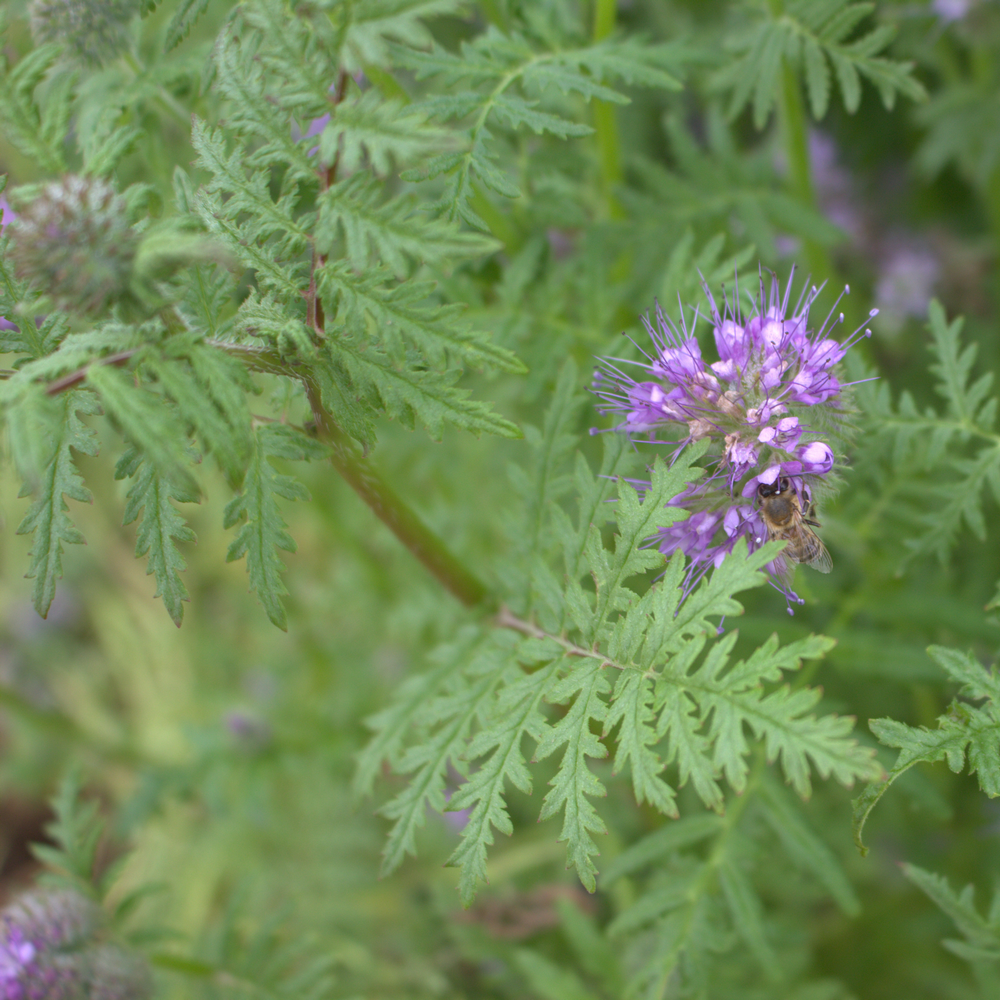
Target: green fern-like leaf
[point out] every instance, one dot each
(256, 510)
(187, 12)
(981, 935)
(953, 455)
(411, 395)
(248, 194)
(402, 317)
(369, 31)
(497, 63)
(967, 734)
(639, 664)
(148, 420)
(453, 709)
(519, 712)
(47, 518)
(210, 390)
(584, 687)
(160, 529)
(393, 232)
(812, 35)
(37, 132)
(74, 834)
(369, 129)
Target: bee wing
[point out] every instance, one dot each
(821, 560)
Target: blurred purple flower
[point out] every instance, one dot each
(835, 192)
(249, 732)
(758, 405)
(952, 10)
(908, 272)
(8, 217)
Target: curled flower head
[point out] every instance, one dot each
(94, 32)
(766, 406)
(50, 949)
(76, 243)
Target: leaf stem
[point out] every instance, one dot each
(401, 520)
(360, 475)
(992, 197)
(75, 378)
(506, 618)
(796, 138)
(605, 123)
(315, 319)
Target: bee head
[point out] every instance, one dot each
(774, 489)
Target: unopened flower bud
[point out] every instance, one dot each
(49, 950)
(74, 243)
(116, 974)
(93, 31)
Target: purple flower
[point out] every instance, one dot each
(771, 407)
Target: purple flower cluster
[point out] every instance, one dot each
(49, 951)
(759, 406)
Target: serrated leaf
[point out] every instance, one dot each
(187, 12)
(391, 232)
(370, 29)
(210, 391)
(147, 420)
(385, 134)
(806, 34)
(47, 519)
(39, 137)
(454, 711)
(982, 936)
(632, 707)
(159, 531)
(967, 735)
(517, 713)
(575, 784)
(402, 316)
(256, 510)
(817, 78)
(410, 395)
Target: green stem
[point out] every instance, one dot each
(796, 136)
(605, 122)
(428, 548)
(365, 480)
(992, 197)
(166, 99)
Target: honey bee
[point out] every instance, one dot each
(782, 512)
